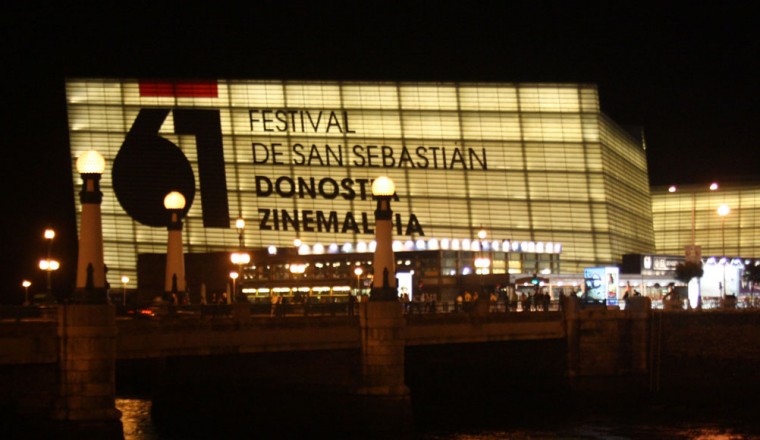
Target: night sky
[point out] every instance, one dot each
(688, 77)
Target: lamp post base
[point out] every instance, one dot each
(383, 294)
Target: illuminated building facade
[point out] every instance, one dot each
(538, 166)
(723, 221)
(680, 212)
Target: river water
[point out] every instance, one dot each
(702, 423)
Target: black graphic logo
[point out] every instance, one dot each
(149, 166)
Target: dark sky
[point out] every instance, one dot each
(687, 75)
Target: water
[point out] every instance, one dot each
(704, 423)
(135, 419)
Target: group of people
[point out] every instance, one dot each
(421, 303)
(221, 299)
(466, 302)
(539, 301)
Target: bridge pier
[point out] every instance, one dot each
(609, 348)
(384, 404)
(382, 326)
(87, 359)
(639, 309)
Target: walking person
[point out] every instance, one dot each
(351, 304)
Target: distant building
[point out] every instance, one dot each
(688, 214)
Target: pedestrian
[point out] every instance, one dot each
(513, 300)
(351, 303)
(273, 299)
(525, 302)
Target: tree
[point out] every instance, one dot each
(688, 270)
(752, 276)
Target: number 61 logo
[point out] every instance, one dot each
(149, 166)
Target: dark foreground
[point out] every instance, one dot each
(463, 414)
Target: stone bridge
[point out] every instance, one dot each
(62, 366)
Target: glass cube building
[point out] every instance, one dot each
(689, 215)
(537, 166)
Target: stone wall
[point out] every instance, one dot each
(715, 352)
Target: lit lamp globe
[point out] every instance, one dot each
(383, 186)
(91, 162)
(174, 201)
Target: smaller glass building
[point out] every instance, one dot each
(688, 215)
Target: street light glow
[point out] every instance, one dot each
(297, 268)
(723, 210)
(174, 200)
(240, 258)
(49, 234)
(91, 162)
(383, 186)
(49, 265)
(481, 265)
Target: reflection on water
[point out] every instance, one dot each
(705, 425)
(135, 419)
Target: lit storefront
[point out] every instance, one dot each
(532, 164)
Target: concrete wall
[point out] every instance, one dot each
(715, 352)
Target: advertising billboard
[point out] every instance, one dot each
(602, 285)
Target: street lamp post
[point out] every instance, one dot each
(694, 253)
(124, 281)
(240, 226)
(384, 264)
(382, 317)
(358, 272)
(25, 284)
(723, 211)
(482, 263)
(91, 274)
(49, 266)
(240, 259)
(234, 276)
(49, 235)
(174, 202)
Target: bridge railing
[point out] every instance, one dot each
(47, 312)
(166, 311)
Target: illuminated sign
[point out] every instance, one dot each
(658, 264)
